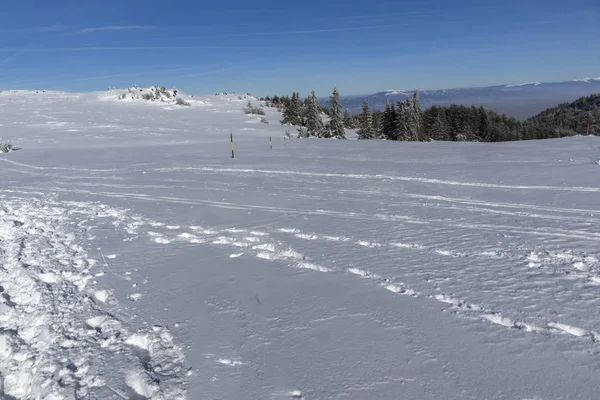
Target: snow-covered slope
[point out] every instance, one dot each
(536, 83)
(138, 260)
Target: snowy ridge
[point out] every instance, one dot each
(520, 100)
(56, 334)
(536, 83)
(397, 92)
(587, 80)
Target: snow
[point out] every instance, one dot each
(135, 296)
(587, 80)
(397, 92)
(139, 261)
(524, 84)
(101, 295)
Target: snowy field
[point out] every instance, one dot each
(139, 261)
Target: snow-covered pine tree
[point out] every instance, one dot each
(288, 115)
(439, 127)
(298, 108)
(388, 124)
(376, 117)
(385, 134)
(417, 116)
(314, 123)
(408, 121)
(304, 111)
(336, 124)
(402, 121)
(484, 130)
(365, 125)
(326, 130)
(348, 120)
(292, 111)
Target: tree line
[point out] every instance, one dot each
(579, 117)
(406, 121)
(307, 115)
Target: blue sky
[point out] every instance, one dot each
(268, 46)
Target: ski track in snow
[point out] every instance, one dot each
(260, 245)
(384, 217)
(112, 328)
(54, 324)
(238, 171)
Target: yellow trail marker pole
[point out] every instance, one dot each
(232, 146)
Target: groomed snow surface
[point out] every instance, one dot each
(139, 261)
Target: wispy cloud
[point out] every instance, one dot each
(19, 51)
(296, 32)
(313, 31)
(113, 48)
(118, 28)
(411, 14)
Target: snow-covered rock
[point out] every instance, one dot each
(159, 94)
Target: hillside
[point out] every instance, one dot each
(574, 116)
(520, 101)
(139, 261)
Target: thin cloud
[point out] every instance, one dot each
(313, 31)
(422, 13)
(118, 28)
(298, 32)
(19, 51)
(114, 48)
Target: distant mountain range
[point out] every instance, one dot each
(520, 101)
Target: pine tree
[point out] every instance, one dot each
(387, 126)
(377, 117)
(439, 128)
(304, 111)
(416, 117)
(435, 126)
(365, 130)
(348, 120)
(292, 111)
(484, 124)
(297, 107)
(403, 121)
(393, 118)
(314, 123)
(336, 124)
